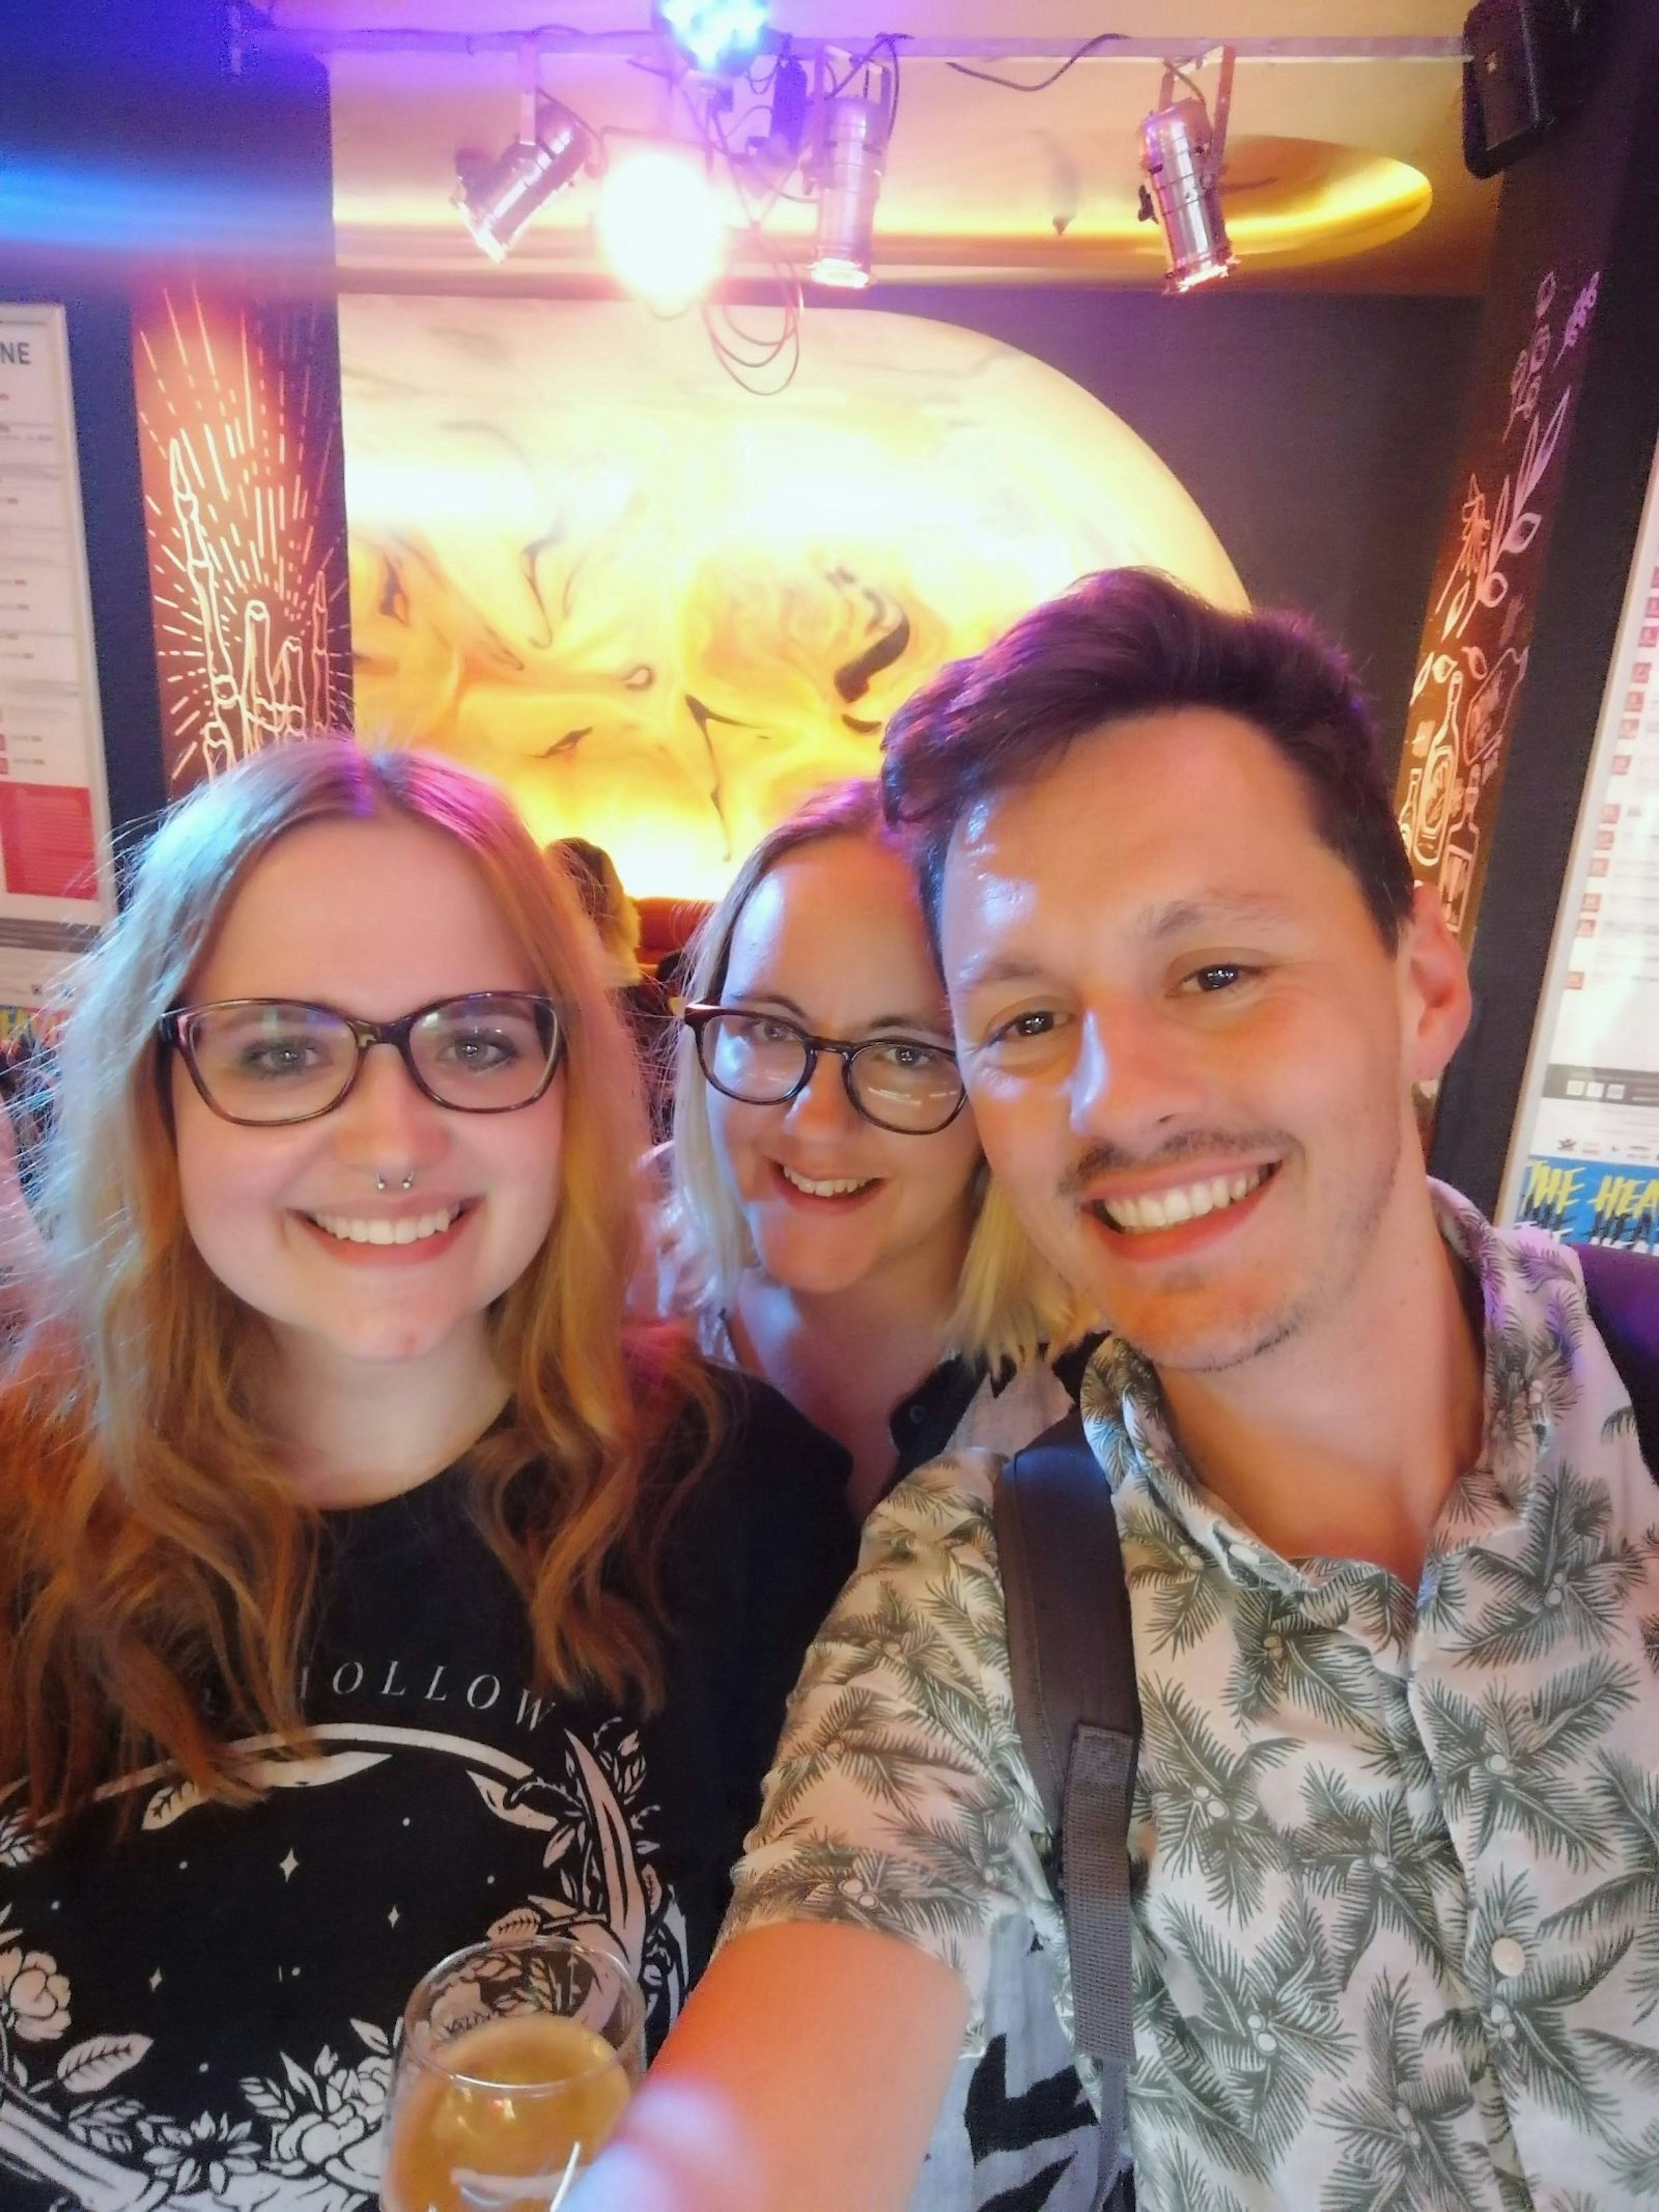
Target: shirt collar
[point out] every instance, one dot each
(923, 1424)
(1531, 1312)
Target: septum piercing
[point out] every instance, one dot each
(408, 1182)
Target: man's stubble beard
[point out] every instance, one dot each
(1254, 1338)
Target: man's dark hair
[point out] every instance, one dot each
(1129, 642)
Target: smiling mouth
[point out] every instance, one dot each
(837, 1187)
(414, 1229)
(1182, 1202)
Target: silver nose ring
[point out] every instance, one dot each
(408, 1182)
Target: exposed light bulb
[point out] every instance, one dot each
(660, 226)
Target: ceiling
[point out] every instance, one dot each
(1341, 174)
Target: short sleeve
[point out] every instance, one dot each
(901, 1799)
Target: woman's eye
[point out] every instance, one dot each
(902, 1053)
(279, 1056)
(482, 1050)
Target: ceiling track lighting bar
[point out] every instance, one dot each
(627, 46)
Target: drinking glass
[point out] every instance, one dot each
(515, 2062)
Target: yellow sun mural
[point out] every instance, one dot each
(661, 610)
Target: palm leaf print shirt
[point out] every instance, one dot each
(1395, 1853)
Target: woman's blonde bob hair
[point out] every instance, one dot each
(1010, 1305)
(156, 1568)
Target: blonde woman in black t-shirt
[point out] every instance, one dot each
(832, 1229)
(368, 1580)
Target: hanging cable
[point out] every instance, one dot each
(1012, 84)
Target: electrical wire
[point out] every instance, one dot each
(745, 356)
(1012, 84)
(888, 43)
(762, 364)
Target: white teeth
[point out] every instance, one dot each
(349, 1229)
(836, 1189)
(1170, 1207)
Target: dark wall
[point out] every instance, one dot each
(1317, 433)
(143, 152)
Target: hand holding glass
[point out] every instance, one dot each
(517, 2061)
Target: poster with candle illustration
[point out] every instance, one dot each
(660, 608)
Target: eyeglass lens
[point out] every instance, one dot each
(278, 1062)
(899, 1083)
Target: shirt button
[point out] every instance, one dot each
(1507, 1959)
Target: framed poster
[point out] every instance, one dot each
(1583, 1158)
(56, 886)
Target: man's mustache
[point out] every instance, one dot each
(1192, 1145)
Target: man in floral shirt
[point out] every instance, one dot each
(1392, 1555)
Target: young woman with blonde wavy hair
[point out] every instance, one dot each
(367, 1577)
(834, 1229)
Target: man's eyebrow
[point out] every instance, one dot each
(981, 971)
(1177, 916)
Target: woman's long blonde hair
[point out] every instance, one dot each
(1010, 1304)
(156, 1569)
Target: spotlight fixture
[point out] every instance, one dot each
(660, 224)
(850, 156)
(715, 34)
(496, 202)
(1180, 156)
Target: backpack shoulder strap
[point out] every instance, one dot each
(1071, 1662)
(1622, 1292)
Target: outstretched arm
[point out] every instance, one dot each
(809, 2064)
(804, 2076)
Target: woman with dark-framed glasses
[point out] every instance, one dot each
(370, 1582)
(833, 1229)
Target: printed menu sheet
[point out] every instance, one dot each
(55, 879)
(1584, 1159)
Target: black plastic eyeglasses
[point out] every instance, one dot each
(261, 1062)
(899, 1083)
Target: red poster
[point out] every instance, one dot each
(45, 839)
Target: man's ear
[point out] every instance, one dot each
(1434, 978)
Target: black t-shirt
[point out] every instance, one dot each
(199, 2011)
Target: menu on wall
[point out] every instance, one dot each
(1584, 1157)
(56, 886)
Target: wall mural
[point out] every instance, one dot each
(239, 412)
(660, 610)
(1477, 638)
